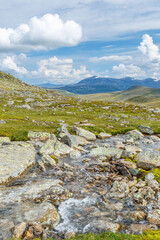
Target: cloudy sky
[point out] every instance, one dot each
(65, 41)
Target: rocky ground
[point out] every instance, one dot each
(60, 186)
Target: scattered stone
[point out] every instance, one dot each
(148, 159)
(154, 217)
(84, 133)
(104, 135)
(146, 129)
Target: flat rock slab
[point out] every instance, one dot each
(15, 159)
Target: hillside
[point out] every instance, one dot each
(136, 95)
(95, 84)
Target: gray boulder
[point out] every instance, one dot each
(15, 159)
(134, 134)
(108, 152)
(148, 159)
(84, 133)
(73, 140)
(146, 129)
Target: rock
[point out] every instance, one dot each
(148, 159)
(62, 131)
(153, 184)
(2, 122)
(138, 215)
(101, 226)
(46, 161)
(42, 136)
(119, 189)
(145, 129)
(134, 134)
(20, 229)
(73, 140)
(154, 217)
(108, 152)
(84, 133)
(140, 228)
(69, 235)
(4, 139)
(6, 229)
(44, 213)
(15, 159)
(131, 151)
(155, 138)
(103, 135)
(133, 171)
(25, 106)
(149, 177)
(127, 164)
(55, 147)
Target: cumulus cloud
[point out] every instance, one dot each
(128, 71)
(60, 70)
(149, 49)
(110, 58)
(47, 32)
(9, 64)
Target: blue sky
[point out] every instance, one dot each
(63, 42)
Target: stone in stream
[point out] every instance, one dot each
(84, 133)
(46, 161)
(146, 129)
(108, 152)
(55, 147)
(15, 159)
(148, 159)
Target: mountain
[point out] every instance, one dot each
(96, 84)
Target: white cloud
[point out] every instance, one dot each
(149, 49)
(9, 63)
(110, 58)
(47, 32)
(60, 71)
(128, 71)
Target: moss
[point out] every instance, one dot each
(151, 235)
(155, 171)
(55, 158)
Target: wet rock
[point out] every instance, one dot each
(148, 159)
(108, 152)
(55, 147)
(84, 133)
(154, 217)
(146, 129)
(42, 136)
(103, 135)
(15, 159)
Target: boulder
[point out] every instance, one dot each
(46, 161)
(42, 136)
(148, 159)
(84, 133)
(73, 140)
(134, 134)
(145, 129)
(154, 217)
(103, 135)
(15, 159)
(108, 152)
(101, 226)
(55, 147)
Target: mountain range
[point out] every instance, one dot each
(96, 84)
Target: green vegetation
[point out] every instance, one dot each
(155, 171)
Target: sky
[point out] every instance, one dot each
(63, 42)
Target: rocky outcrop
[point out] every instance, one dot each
(15, 159)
